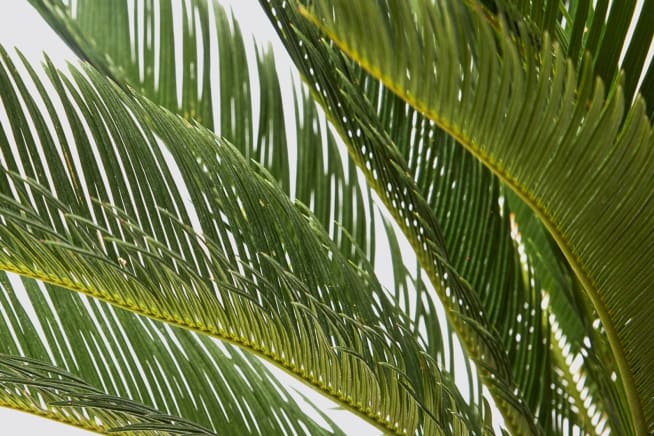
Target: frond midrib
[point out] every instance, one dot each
(223, 335)
(57, 417)
(588, 283)
(550, 224)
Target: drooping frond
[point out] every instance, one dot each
(464, 198)
(48, 391)
(166, 368)
(213, 44)
(86, 15)
(460, 197)
(579, 26)
(111, 42)
(564, 146)
(99, 211)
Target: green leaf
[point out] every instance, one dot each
(560, 143)
(577, 330)
(39, 388)
(217, 87)
(128, 55)
(405, 155)
(165, 368)
(618, 36)
(238, 261)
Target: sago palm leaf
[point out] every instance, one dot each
(97, 35)
(160, 369)
(558, 141)
(463, 198)
(441, 181)
(601, 28)
(141, 46)
(48, 391)
(87, 16)
(567, 302)
(104, 44)
(239, 261)
(271, 141)
(579, 26)
(577, 333)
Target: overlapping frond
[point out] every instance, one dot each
(96, 35)
(560, 142)
(372, 149)
(237, 261)
(160, 367)
(444, 201)
(214, 54)
(618, 36)
(577, 332)
(465, 199)
(43, 389)
(579, 26)
(461, 196)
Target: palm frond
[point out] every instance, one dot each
(165, 368)
(128, 56)
(463, 198)
(570, 24)
(39, 388)
(603, 30)
(569, 169)
(618, 36)
(384, 167)
(475, 229)
(577, 330)
(238, 261)
(217, 87)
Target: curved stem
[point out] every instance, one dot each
(84, 425)
(578, 267)
(591, 288)
(243, 343)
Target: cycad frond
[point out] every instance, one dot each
(253, 269)
(435, 189)
(216, 87)
(570, 168)
(164, 369)
(39, 388)
(576, 331)
(600, 28)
